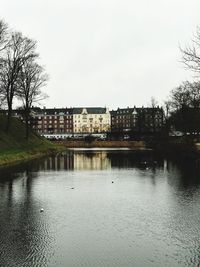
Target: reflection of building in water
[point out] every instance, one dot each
(91, 161)
(100, 160)
(59, 162)
(77, 161)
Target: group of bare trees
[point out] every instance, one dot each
(183, 106)
(21, 76)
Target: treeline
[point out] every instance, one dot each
(182, 109)
(21, 76)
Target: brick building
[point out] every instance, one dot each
(132, 121)
(55, 121)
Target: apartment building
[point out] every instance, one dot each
(76, 122)
(136, 120)
(91, 120)
(55, 121)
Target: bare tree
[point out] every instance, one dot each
(153, 106)
(185, 95)
(19, 50)
(3, 45)
(153, 102)
(180, 96)
(166, 108)
(31, 79)
(185, 107)
(3, 35)
(191, 54)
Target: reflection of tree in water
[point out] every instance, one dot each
(183, 179)
(184, 174)
(132, 159)
(22, 230)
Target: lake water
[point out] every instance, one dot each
(101, 208)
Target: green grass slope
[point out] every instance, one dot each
(14, 147)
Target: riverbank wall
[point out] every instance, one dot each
(137, 145)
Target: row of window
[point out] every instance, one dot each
(55, 122)
(59, 113)
(54, 132)
(128, 125)
(54, 117)
(134, 120)
(86, 116)
(135, 116)
(50, 126)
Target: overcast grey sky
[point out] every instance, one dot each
(107, 52)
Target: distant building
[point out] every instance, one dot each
(97, 121)
(130, 121)
(55, 121)
(90, 120)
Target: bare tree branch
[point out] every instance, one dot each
(19, 50)
(3, 35)
(191, 54)
(31, 79)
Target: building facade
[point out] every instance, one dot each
(79, 122)
(131, 121)
(56, 121)
(91, 120)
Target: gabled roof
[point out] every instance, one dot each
(53, 111)
(134, 110)
(90, 110)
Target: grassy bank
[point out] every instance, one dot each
(15, 148)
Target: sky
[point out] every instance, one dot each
(107, 52)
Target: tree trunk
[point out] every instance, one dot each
(8, 118)
(27, 122)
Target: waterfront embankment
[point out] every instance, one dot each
(15, 148)
(181, 148)
(137, 145)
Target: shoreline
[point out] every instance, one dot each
(12, 157)
(23, 156)
(136, 145)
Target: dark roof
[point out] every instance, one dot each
(53, 111)
(138, 110)
(90, 110)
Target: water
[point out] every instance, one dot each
(101, 208)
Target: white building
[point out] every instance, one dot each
(91, 120)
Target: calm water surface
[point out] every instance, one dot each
(101, 208)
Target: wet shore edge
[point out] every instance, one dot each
(187, 151)
(18, 157)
